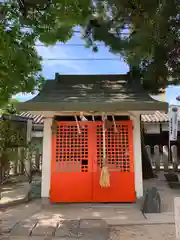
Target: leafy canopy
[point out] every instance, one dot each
(19, 62)
(151, 46)
(12, 131)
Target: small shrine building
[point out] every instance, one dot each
(74, 108)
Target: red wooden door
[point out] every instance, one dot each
(120, 162)
(71, 169)
(77, 162)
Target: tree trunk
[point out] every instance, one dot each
(15, 161)
(22, 159)
(2, 171)
(4, 163)
(29, 194)
(7, 170)
(146, 163)
(28, 170)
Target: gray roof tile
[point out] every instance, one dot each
(37, 119)
(156, 117)
(92, 92)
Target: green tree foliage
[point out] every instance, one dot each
(19, 62)
(9, 108)
(12, 136)
(151, 47)
(20, 28)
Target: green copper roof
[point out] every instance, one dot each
(92, 93)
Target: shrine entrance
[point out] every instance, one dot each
(77, 159)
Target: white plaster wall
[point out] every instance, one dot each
(46, 158)
(137, 155)
(152, 128)
(155, 127)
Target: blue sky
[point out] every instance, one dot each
(84, 67)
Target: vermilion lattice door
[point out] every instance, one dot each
(71, 169)
(77, 162)
(120, 162)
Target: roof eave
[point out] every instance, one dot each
(89, 106)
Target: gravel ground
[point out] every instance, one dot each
(143, 232)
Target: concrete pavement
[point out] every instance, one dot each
(89, 221)
(135, 232)
(76, 221)
(13, 194)
(67, 229)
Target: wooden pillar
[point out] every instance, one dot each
(46, 158)
(137, 155)
(37, 159)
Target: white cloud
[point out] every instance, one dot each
(23, 97)
(159, 97)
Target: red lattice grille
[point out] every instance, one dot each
(71, 149)
(117, 148)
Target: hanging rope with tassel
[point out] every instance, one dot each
(77, 124)
(104, 177)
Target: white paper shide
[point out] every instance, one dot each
(173, 123)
